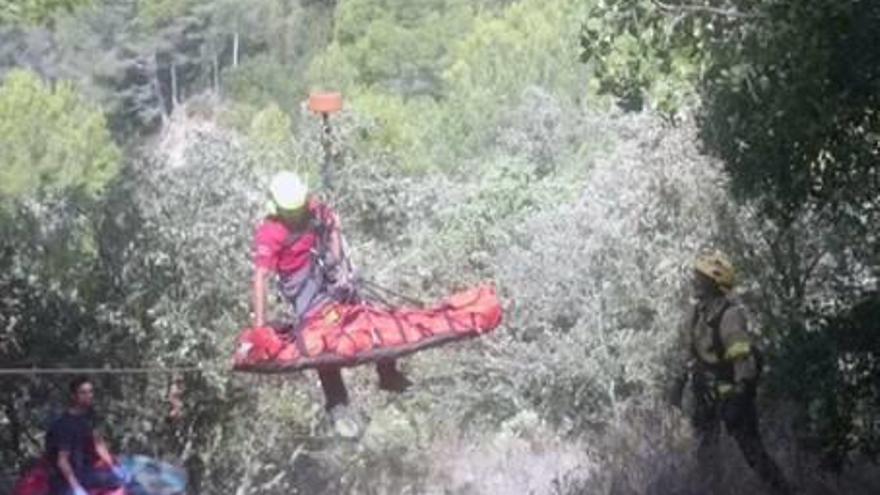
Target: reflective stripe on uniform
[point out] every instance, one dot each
(737, 351)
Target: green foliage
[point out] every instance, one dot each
(270, 127)
(446, 85)
(528, 44)
(52, 139)
(401, 127)
(270, 140)
(544, 132)
(175, 244)
(35, 11)
(789, 92)
(102, 49)
(644, 57)
(141, 59)
(832, 371)
(260, 81)
(793, 111)
(791, 108)
(55, 309)
(760, 68)
(398, 45)
(559, 267)
(159, 12)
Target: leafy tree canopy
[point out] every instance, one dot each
(51, 139)
(34, 11)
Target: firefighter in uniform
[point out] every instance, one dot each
(720, 358)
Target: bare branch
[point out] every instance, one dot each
(705, 9)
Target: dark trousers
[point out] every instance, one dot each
(90, 479)
(740, 417)
(335, 393)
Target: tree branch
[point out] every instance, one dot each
(705, 9)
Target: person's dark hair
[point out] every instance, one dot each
(76, 383)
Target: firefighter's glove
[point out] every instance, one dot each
(735, 405)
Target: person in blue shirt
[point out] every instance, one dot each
(74, 447)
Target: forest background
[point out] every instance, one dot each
(577, 153)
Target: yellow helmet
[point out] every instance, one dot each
(718, 267)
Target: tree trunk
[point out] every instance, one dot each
(235, 49)
(174, 96)
(157, 87)
(216, 67)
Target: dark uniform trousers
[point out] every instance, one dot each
(740, 417)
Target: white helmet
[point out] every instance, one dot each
(288, 190)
